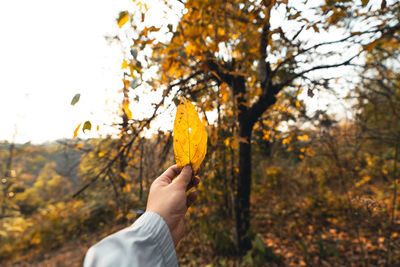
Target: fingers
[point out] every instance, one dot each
(193, 182)
(169, 174)
(184, 177)
(191, 197)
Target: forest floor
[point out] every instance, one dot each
(71, 254)
(294, 232)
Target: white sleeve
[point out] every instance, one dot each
(148, 242)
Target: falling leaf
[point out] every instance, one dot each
(190, 136)
(75, 99)
(76, 131)
(123, 18)
(87, 126)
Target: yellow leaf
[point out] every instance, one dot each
(221, 31)
(258, 91)
(124, 64)
(224, 92)
(364, 180)
(87, 126)
(304, 137)
(126, 83)
(124, 17)
(286, 140)
(127, 188)
(76, 131)
(190, 136)
(127, 111)
(227, 141)
(190, 49)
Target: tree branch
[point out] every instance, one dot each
(296, 75)
(302, 51)
(129, 144)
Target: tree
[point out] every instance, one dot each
(50, 185)
(242, 57)
(257, 49)
(378, 106)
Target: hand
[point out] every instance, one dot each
(168, 198)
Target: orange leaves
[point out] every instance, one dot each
(190, 136)
(86, 126)
(371, 45)
(190, 49)
(303, 137)
(127, 111)
(76, 130)
(224, 92)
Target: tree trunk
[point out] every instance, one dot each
(244, 187)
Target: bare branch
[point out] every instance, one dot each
(302, 51)
(296, 75)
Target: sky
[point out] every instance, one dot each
(49, 51)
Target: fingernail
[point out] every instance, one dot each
(187, 168)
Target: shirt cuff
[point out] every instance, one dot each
(153, 223)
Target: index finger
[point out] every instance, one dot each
(169, 174)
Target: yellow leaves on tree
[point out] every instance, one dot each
(190, 136)
(127, 111)
(124, 64)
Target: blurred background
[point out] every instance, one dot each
(301, 102)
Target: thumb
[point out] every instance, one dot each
(184, 177)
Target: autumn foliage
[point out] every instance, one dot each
(286, 180)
